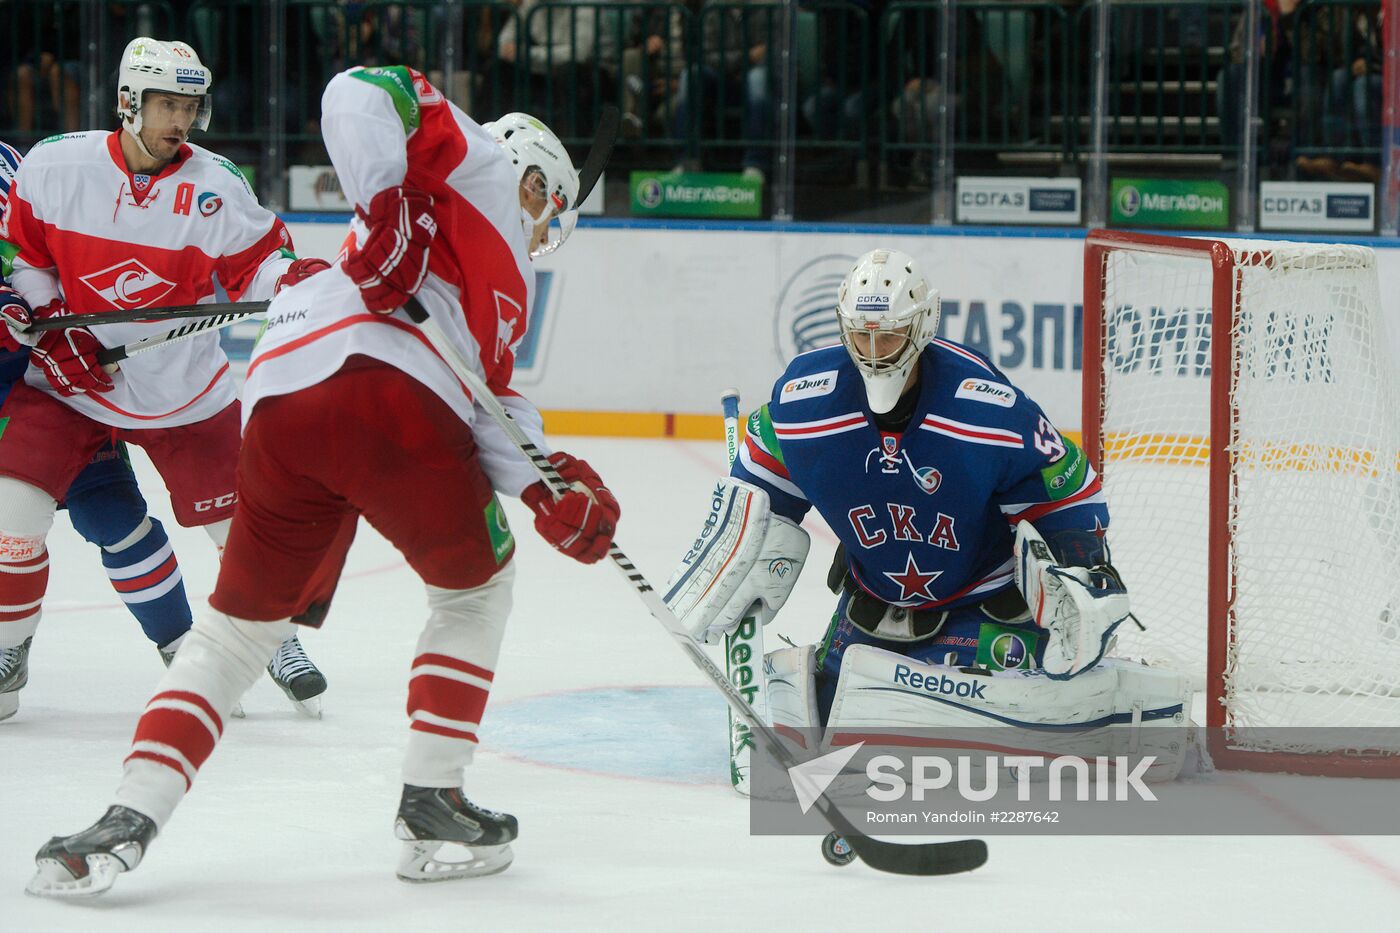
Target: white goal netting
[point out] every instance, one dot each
(1311, 429)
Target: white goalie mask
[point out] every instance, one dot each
(888, 314)
(169, 67)
(545, 171)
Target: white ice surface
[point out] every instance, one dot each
(289, 824)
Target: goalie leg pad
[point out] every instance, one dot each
(792, 687)
(1117, 706)
(745, 561)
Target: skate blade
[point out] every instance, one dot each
(419, 865)
(237, 711)
(310, 707)
(53, 879)
(9, 704)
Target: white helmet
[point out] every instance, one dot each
(540, 160)
(886, 293)
(170, 67)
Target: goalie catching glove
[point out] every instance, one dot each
(1080, 607)
(581, 522)
(745, 561)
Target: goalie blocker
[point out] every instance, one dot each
(745, 561)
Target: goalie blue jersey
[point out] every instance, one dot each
(927, 515)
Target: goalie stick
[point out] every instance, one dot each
(743, 647)
(929, 858)
(130, 315)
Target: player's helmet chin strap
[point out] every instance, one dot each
(132, 125)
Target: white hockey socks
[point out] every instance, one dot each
(451, 679)
(26, 515)
(218, 660)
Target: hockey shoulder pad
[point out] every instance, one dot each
(745, 561)
(1080, 607)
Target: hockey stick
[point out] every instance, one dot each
(929, 858)
(132, 315)
(109, 355)
(598, 154)
(743, 647)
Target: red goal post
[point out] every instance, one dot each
(1240, 401)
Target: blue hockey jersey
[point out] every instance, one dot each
(927, 515)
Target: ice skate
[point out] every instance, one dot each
(167, 654)
(87, 863)
(14, 674)
(299, 679)
(432, 817)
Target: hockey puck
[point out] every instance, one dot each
(837, 851)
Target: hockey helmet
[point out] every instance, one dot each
(543, 167)
(169, 67)
(888, 314)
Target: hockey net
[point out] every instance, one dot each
(1240, 399)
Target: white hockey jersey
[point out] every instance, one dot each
(105, 239)
(385, 127)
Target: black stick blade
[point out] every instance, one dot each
(929, 858)
(597, 159)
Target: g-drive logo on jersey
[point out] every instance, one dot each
(980, 390)
(128, 284)
(811, 386)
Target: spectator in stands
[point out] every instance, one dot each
(1354, 96)
(1275, 45)
(45, 94)
(563, 58)
(916, 108)
(847, 67)
(652, 62)
(732, 68)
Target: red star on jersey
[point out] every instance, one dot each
(1099, 530)
(913, 582)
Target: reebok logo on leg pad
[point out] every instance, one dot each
(941, 684)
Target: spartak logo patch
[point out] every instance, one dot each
(129, 284)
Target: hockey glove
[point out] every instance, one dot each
(581, 522)
(17, 316)
(299, 271)
(68, 357)
(393, 261)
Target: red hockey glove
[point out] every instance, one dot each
(393, 261)
(68, 357)
(582, 521)
(299, 271)
(16, 315)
